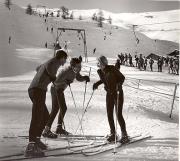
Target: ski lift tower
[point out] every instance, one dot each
(83, 35)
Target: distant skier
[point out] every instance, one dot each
(160, 64)
(166, 61)
(46, 73)
(46, 45)
(51, 29)
(9, 40)
(64, 78)
(126, 59)
(94, 50)
(137, 60)
(171, 65)
(140, 62)
(113, 80)
(151, 62)
(145, 63)
(65, 45)
(130, 60)
(118, 64)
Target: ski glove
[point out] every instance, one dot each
(95, 86)
(86, 78)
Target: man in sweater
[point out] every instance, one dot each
(46, 73)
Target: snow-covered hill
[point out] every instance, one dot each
(163, 25)
(30, 32)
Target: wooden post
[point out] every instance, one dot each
(174, 95)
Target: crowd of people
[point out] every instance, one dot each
(172, 63)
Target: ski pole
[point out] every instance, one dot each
(80, 123)
(75, 106)
(85, 89)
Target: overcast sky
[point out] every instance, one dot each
(110, 5)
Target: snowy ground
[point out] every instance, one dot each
(144, 112)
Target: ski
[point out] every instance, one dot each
(77, 136)
(48, 150)
(107, 143)
(110, 147)
(21, 157)
(94, 146)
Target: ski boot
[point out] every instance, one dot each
(111, 138)
(61, 131)
(124, 139)
(40, 144)
(47, 133)
(33, 150)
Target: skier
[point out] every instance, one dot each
(9, 39)
(46, 73)
(113, 80)
(140, 62)
(151, 62)
(145, 63)
(94, 50)
(118, 64)
(171, 65)
(126, 59)
(45, 45)
(160, 64)
(137, 60)
(51, 29)
(130, 60)
(166, 61)
(64, 78)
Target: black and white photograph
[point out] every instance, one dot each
(89, 80)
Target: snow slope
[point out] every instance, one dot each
(144, 112)
(29, 32)
(163, 25)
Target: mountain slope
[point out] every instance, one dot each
(163, 25)
(25, 31)
(29, 35)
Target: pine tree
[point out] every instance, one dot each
(65, 12)
(94, 17)
(72, 16)
(29, 9)
(100, 19)
(58, 13)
